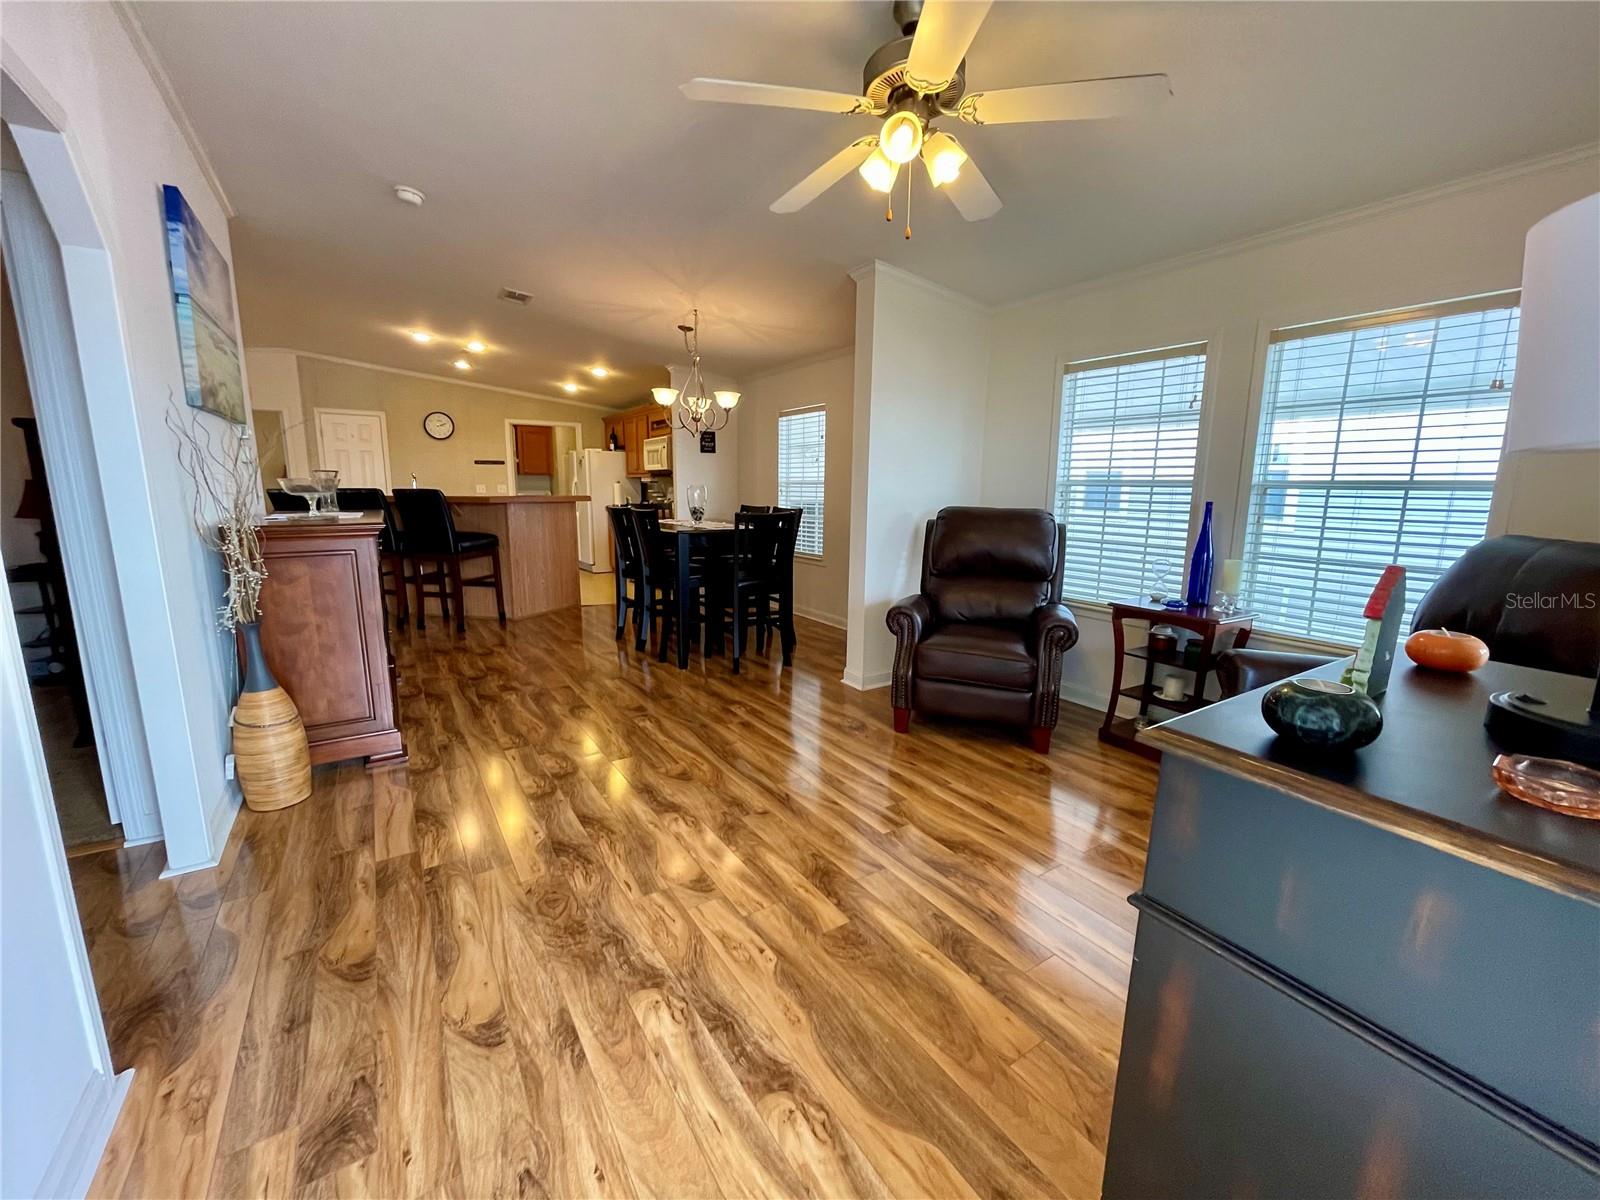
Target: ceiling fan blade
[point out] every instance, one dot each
(1085, 100)
(944, 31)
(825, 176)
(734, 91)
(971, 194)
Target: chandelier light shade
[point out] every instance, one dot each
(698, 409)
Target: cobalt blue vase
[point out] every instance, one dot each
(1200, 562)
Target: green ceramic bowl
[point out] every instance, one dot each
(1320, 714)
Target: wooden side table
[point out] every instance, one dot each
(1215, 633)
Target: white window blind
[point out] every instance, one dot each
(1130, 429)
(1379, 441)
(802, 469)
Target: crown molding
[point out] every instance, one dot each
(566, 401)
(810, 360)
(169, 94)
(900, 275)
(1339, 220)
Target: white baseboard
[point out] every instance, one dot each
(866, 683)
(821, 618)
(227, 811)
(84, 1139)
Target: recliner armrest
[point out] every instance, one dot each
(910, 618)
(1053, 629)
(909, 621)
(1244, 670)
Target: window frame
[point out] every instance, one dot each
(1298, 323)
(822, 516)
(1201, 343)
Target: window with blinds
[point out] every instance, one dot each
(1130, 430)
(1379, 441)
(802, 470)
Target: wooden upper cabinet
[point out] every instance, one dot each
(535, 450)
(633, 441)
(658, 421)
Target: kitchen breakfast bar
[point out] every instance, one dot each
(538, 550)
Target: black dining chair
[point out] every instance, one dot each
(287, 502)
(658, 576)
(392, 575)
(431, 537)
(760, 573)
(627, 567)
(755, 508)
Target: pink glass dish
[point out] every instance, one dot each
(1561, 787)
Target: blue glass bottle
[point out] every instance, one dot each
(1198, 593)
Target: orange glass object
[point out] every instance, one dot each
(1561, 787)
(1441, 650)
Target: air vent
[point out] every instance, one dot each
(515, 296)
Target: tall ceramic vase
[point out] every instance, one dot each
(270, 754)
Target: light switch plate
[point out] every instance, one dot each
(501, 488)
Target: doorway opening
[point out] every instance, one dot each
(539, 456)
(36, 583)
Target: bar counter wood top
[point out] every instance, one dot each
(538, 551)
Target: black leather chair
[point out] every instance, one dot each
(1487, 592)
(984, 637)
(431, 536)
(391, 547)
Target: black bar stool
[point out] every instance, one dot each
(431, 536)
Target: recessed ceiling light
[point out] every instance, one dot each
(420, 337)
(569, 388)
(599, 372)
(476, 347)
(461, 364)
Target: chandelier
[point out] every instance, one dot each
(699, 410)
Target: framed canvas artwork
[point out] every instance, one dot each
(202, 298)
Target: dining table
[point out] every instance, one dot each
(715, 538)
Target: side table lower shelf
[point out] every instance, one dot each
(1215, 631)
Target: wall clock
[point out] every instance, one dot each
(438, 425)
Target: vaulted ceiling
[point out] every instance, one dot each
(558, 157)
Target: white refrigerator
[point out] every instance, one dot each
(602, 476)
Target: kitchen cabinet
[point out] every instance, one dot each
(633, 428)
(535, 450)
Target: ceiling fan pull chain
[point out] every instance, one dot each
(909, 174)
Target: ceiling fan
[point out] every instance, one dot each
(917, 79)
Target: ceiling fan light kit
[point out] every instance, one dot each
(919, 78)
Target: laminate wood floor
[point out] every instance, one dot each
(623, 930)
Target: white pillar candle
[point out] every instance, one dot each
(1232, 573)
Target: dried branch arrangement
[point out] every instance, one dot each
(222, 464)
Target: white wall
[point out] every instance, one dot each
(719, 472)
(275, 385)
(58, 1097)
(78, 65)
(921, 372)
(821, 586)
(1456, 241)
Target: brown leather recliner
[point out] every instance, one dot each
(984, 637)
(1531, 600)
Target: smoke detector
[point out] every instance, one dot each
(516, 297)
(408, 195)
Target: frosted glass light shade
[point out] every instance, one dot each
(666, 397)
(878, 171)
(727, 399)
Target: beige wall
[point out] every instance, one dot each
(821, 588)
(1460, 241)
(480, 416)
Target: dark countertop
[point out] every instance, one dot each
(1427, 777)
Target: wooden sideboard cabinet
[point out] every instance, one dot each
(325, 637)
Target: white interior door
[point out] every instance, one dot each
(355, 444)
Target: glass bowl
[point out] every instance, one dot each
(1561, 787)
